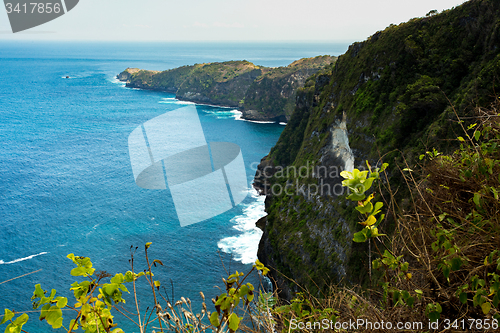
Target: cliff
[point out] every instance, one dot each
(388, 97)
(261, 93)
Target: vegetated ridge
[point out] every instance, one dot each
(261, 93)
(390, 96)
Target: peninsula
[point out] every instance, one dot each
(261, 93)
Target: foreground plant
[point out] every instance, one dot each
(101, 294)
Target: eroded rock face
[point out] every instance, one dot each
(340, 144)
(285, 247)
(336, 156)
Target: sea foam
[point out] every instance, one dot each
(244, 246)
(21, 259)
(173, 100)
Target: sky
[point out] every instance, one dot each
(226, 20)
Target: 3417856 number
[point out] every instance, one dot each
(33, 7)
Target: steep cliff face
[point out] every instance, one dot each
(275, 90)
(387, 96)
(261, 93)
(219, 84)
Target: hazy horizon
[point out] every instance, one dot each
(226, 21)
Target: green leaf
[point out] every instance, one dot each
(72, 257)
(347, 175)
(109, 288)
(446, 271)
(405, 266)
(378, 207)
(461, 139)
(21, 320)
(129, 277)
(374, 233)
(157, 284)
(367, 184)
(243, 290)
(395, 296)
(360, 236)
(477, 198)
(234, 321)
(78, 271)
(61, 302)
(258, 264)
(434, 316)
(456, 263)
(356, 197)
(54, 317)
(370, 221)
(44, 311)
(486, 307)
(463, 298)
(367, 208)
(495, 193)
(118, 278)
(7, 316)
(477, 135)
(38, 293)
(214, 319)
(71, 323)
(496, 300)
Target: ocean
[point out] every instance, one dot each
(66, 182)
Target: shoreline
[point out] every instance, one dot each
(235, 108)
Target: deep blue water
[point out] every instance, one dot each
(66, 184)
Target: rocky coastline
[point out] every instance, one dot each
(260, 93)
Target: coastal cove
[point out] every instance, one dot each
(67, 184)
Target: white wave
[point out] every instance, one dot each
(283, 123)
(21, 259)
(259, 121)
(239, 116)
(244, 246)
(115, 80)
(215, 106)
(223, 114)
(173, 100)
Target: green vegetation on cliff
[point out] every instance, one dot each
(390, 96)
(262, 93)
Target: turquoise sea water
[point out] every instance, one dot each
(66, 184)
